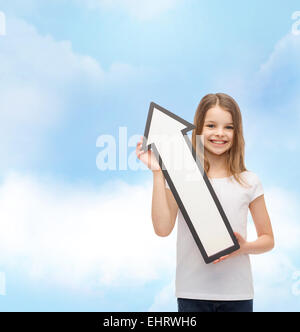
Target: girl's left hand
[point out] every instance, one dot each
(242, 243)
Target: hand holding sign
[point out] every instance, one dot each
(147, 157)
(242, 243)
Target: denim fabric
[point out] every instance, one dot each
(190, 305)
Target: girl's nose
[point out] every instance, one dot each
(220, 132)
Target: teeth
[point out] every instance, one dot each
(219, 142)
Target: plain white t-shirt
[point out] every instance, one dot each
(230, 279)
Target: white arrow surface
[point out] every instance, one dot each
(166, 134)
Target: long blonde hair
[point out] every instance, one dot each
(235, 156)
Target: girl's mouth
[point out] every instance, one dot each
(218, 142)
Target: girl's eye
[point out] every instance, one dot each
(211, 126)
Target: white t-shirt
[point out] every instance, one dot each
(230, 279)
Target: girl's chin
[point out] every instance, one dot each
(218, 152)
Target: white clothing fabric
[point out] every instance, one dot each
(230, 279)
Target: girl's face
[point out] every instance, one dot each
(218, 130)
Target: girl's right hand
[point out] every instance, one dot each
(148, 157)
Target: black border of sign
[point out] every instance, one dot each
(189, 127)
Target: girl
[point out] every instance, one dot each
(226, 285)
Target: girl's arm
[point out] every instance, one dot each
(164, 206)
(261, 219)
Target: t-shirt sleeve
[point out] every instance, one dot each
(257, 188)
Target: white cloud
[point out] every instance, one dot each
(141, 10)
(276, 98)
(165, 300)
(78, 236)
(37, 76)
(90, 239)
(277, 82)
(273, 281)
(40, 81)
(284, 55)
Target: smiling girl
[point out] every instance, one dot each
(226, 285)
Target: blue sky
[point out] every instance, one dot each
(73, 70)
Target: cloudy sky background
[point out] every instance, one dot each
(74, 237)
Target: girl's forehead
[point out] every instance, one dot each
(217, 114)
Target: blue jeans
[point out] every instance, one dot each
(190, 305)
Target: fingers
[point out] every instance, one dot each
(220, 259)
(139, 144)
(239, 237)
(139, 152)
(139, 149)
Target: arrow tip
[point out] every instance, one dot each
(162, 122)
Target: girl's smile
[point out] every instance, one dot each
(216, 143)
